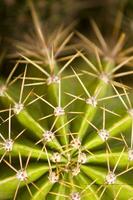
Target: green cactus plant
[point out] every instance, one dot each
(66, 123)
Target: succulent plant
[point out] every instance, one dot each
(66, 122)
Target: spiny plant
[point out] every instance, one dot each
(66, 123)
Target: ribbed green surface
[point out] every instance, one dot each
(73, 130)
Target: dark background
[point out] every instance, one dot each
(15, 18)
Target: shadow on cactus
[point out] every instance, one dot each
(66, 127)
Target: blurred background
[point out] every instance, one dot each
(15, 17)
(16, 21)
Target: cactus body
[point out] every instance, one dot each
(66, 127)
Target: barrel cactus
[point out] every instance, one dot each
(66, 119)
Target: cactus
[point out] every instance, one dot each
(66, 120)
